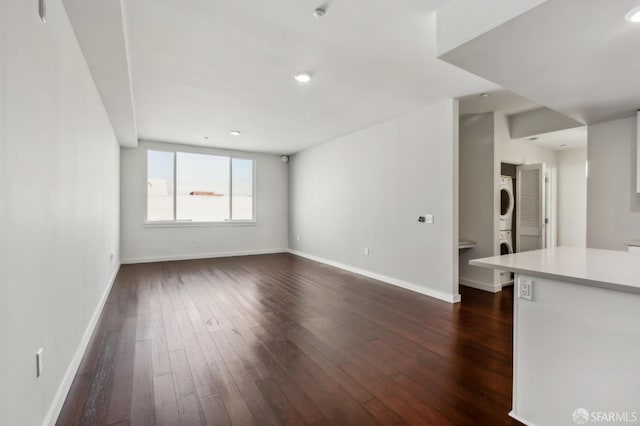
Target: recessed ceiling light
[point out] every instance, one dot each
(303, 77)
(206, 137)
(235, 133)
(319, 12)
(633, 15)
(563, 146)
(535, 138)
(484, 95)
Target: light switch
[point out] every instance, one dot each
(429, 218)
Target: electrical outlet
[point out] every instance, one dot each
(525, 289)
(39, 362)
(111, 258)
(297, 237)
(366, 251)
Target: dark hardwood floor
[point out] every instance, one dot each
(278, 339)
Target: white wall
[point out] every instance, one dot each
(539, 121)
(142, 243)
(476, 197)
(572, 197)
(613, 206)
(59, 167)
(366, 190)
(516, 151)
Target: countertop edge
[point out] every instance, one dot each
(559, 277)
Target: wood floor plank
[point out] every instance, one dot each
(231, 397)
(165, 403)
(277, 339)
(272, 356)
(245, 379)
(171, 329)
(142, 408)
(350, 385)
(286, 412)
(159, 346)
(121, 389)
(185, 390)
(214, 412)
(143, 312)
(402, 402)
(202, 379)
(382, 413)
(467, 414)
(97, 398)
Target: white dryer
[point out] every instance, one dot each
(507, 203)
(506, 247)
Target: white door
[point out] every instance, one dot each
(530, 208)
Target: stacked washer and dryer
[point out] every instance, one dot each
(507, 205)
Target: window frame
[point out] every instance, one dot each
(203, 151)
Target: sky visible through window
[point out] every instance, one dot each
(202, 184)
(160, 166)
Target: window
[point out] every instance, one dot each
(160, 185)
(195, 187)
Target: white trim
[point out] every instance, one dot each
(230, 190)
(520, 419)
(492, 288)
(507, 283)
(190, 224)
(389, 280)
(127, 51)
(516, 321)
(637, 154)
(168, 258)
(67, 380)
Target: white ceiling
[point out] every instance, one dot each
(579, 57)
(202, 68)
(562, 139)
(99, 28)
(499, 100)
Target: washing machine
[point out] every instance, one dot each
(507, 203)
(506, 247)
(506, 243)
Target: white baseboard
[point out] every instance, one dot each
(520, 419)
(67, 380)
(389, 280)
(492, 288)
(169, 258)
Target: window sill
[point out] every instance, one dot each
(199, 224)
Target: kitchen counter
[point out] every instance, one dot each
(576, 332)
(615, 270)
(634, 243)
(634, 246)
